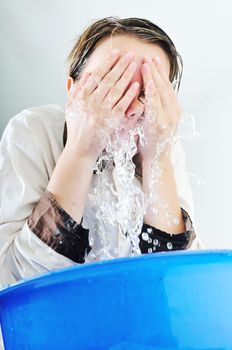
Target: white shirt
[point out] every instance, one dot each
(30, 147)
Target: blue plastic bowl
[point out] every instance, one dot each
(178, 300)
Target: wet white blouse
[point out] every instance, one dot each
(30, 147)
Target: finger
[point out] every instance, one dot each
(150, 105)
(158, 64)
(150, 91)
(158, 80)
(120, 109)
(161, 80)
(77, 85)
(152, 99)
(98, 74)
(146, 74)
(83, 78)
(164, 75)
(153, 66)
(167, 94)
(117, 91)
(114, 75)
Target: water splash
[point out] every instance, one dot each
(198, 179)
(129, 207)
(187, 127)
(130, 203)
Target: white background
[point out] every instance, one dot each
(36, 37)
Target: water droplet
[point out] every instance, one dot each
(187, 127)
(168, 215)
(149, 230)
(176, 221)
(169, 245)
(56, 234)
(149, 250)
(145, 236)
(155, 241)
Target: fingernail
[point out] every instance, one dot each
(115, 52)
(129, 55)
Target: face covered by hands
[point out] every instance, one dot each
(111, 90)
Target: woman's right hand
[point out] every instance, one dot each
(97, 104)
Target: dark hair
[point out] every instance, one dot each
(138, 27)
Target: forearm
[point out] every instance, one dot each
(70, 182)
(167, 207)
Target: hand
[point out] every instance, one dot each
(97, 103)
(162, 110)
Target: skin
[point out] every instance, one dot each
(112, 89)
(140, 51)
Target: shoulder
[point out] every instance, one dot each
(42, 123)
(34, 136)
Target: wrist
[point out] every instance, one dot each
(76, 155)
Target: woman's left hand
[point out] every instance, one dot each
(162, 110)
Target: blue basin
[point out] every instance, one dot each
(176, 300)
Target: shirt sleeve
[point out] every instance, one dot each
(24, 175)
(154, 240)
(184, 192)
(55, 227)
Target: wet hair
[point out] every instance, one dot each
(140, 28)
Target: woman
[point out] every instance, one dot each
(120, 79)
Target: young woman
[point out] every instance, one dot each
(121, 77)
